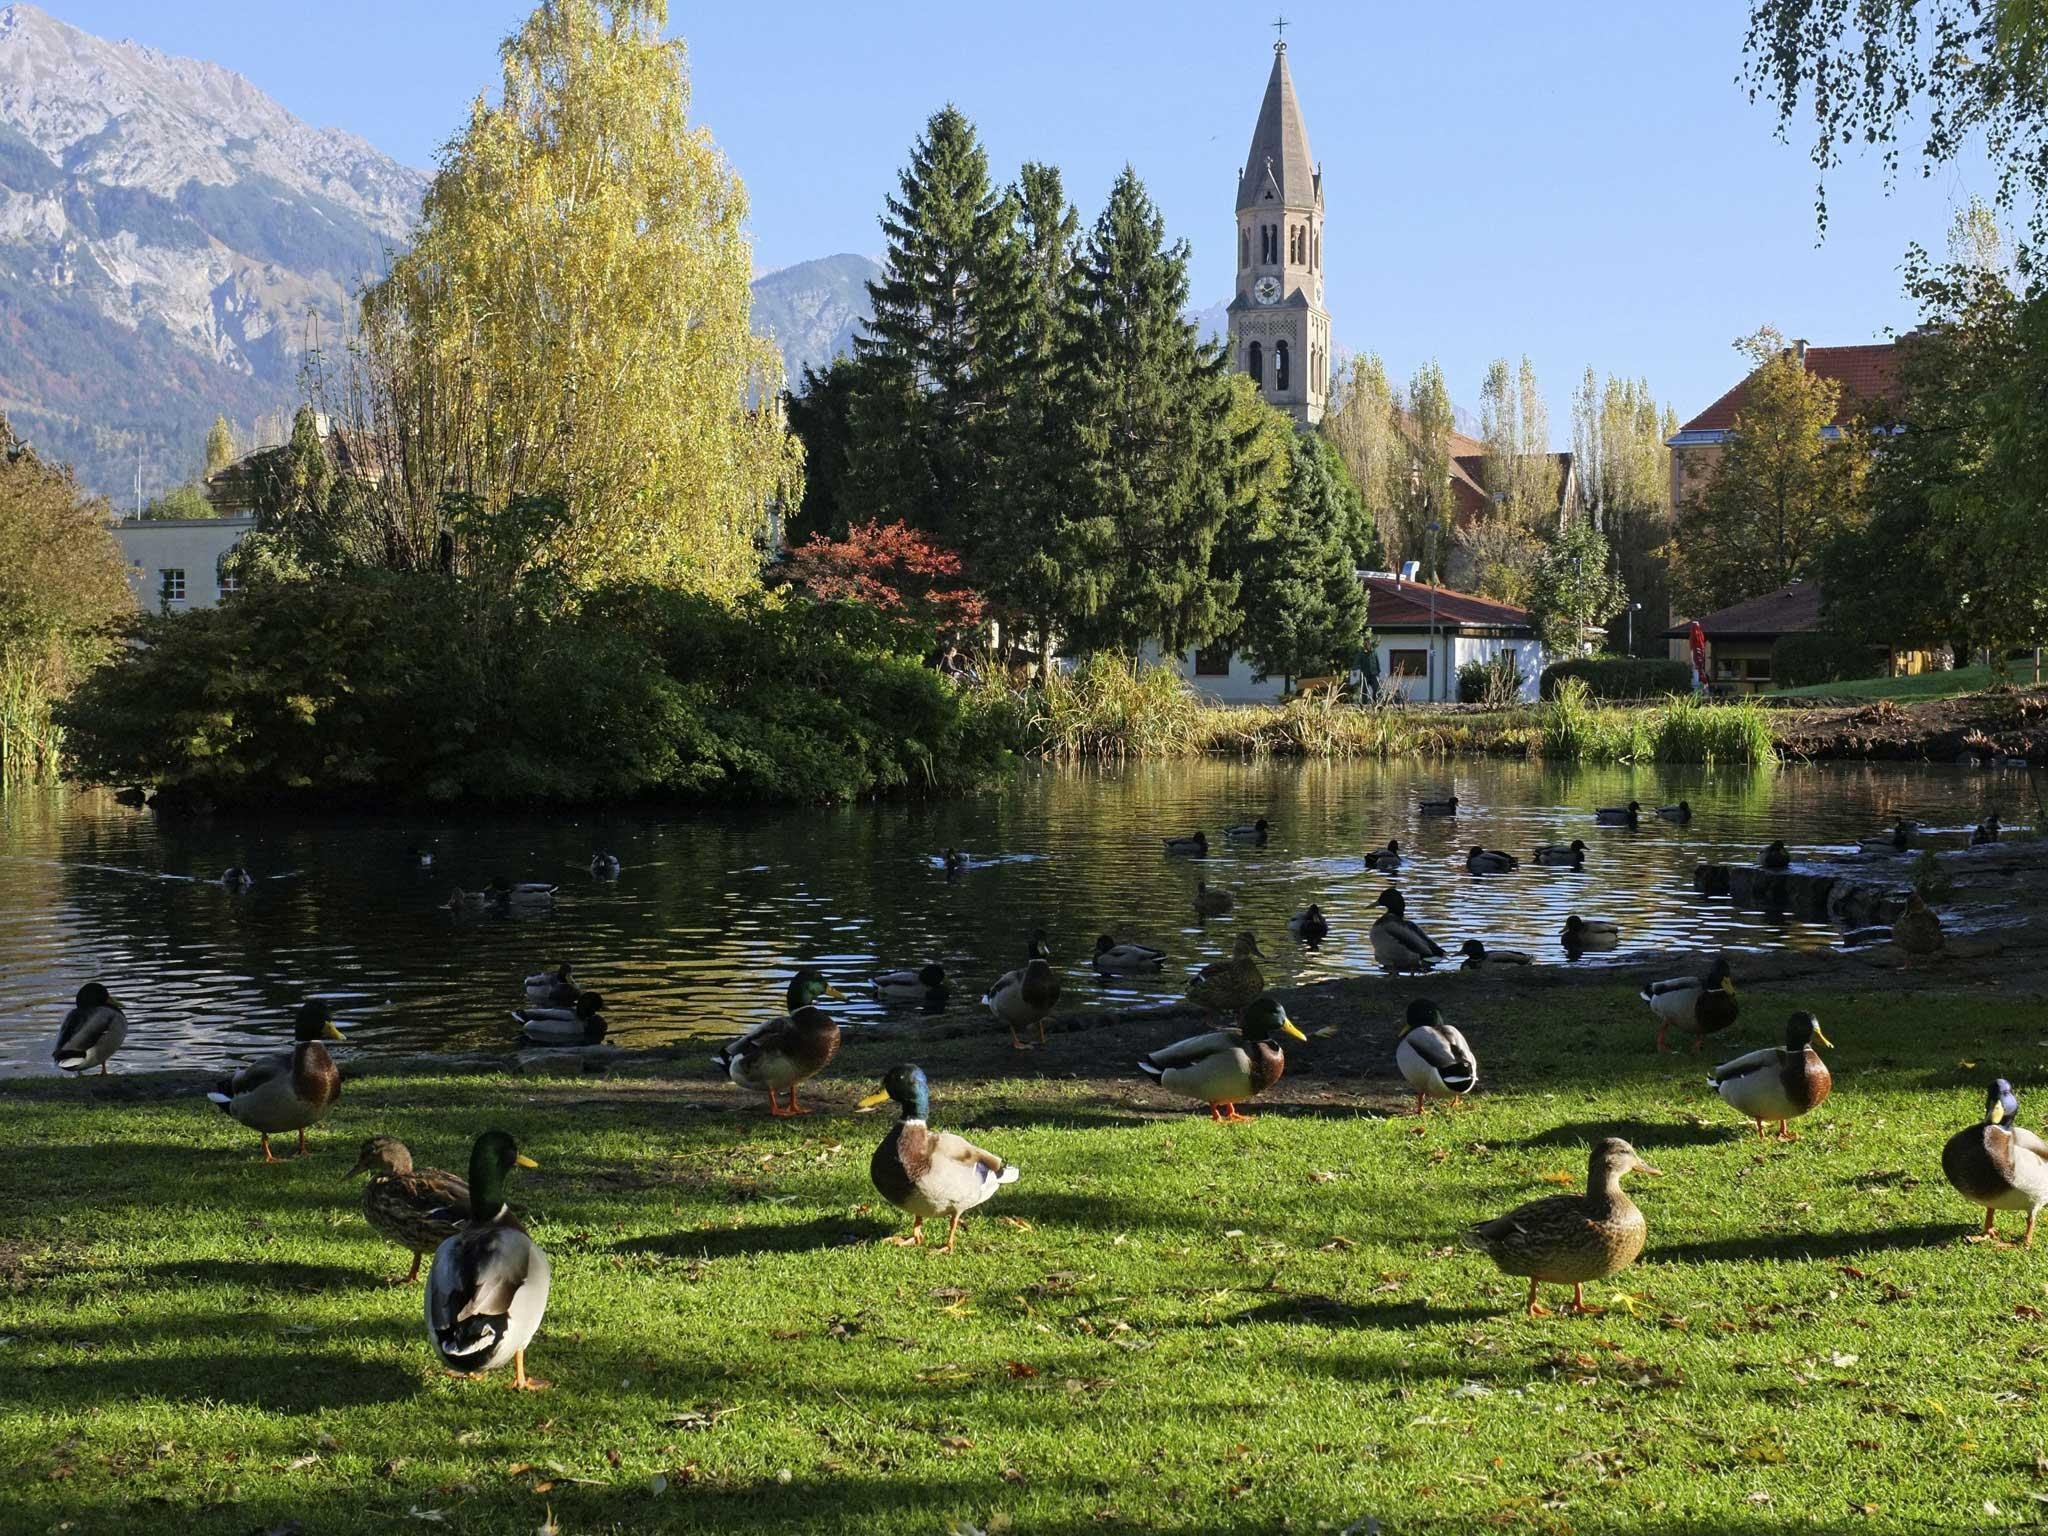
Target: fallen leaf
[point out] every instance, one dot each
(1325, 1033)
(1021, 1371)
(956, 1442)
(1565, 1180)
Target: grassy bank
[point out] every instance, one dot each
(1167, 1325)
(1926, 685)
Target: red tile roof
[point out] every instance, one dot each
(1391, 603)
(1865, 372)
(1793, 610)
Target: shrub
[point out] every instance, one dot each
(1799, 661)
(1496, 683)
(1620, 677)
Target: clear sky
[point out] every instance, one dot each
(1585, 183)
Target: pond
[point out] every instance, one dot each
(712, 910)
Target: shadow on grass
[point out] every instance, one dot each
(1643, 1134)
(1811, 1245)
(267, 1274)
(812, 1236)
(1331, 1312)
(244, 1375)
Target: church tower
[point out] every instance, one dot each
(1279, 330)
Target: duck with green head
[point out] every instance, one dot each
(1775, 1084)
(581, 1023)
(488, 1288)
(929, 1173)
(287, 1092)
(417, 1208)
(91, 1032)
(776, 1056)
(1224, 1069)
(1998, 1163)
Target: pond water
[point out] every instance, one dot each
(699, 934)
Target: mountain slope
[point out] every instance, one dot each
(812, 309)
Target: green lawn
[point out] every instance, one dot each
(1167, 1325)
(1928, 685)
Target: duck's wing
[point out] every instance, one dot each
(83, 1028)
(2022, 1137)
(1184, 1052)
(471, 1288)
(1742, 1066)
(1009, 981)
(1447, 1054)
(1653, 990)
(546, 1015)
(750, 1043)
(259, 1075)
(1416, 939)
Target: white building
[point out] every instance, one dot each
(174, 563)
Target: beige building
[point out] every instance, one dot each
(174, 563)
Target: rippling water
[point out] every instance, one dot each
(713, 910)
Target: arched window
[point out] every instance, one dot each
(1280, 366)
(1244, 247)
(1255, 363)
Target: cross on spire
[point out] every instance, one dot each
(1280, 26)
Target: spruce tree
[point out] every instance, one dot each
(1304, 608)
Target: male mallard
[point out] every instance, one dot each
(1194, 847)
(236, 878)
(1446, 805)
(1114, 959)
(488, 1287)
(581, 1023)
(1583, 933)
(1570, 855)
(1397, 943)
(552, 989)
(1777, 856)
(1309, 924)
(1898, 840)
(953, 861)
(1987, 831)
(1478, 957)
(1629, 815)
(784, 1052)
(524, 893)
(1679, 812)
(1026, 995)
(419, 858)
(287, 1092)
(1433, 1055)
(1705, 1005)
(1210, 902)
(1387, 859)
(605, 866)
(418, 1209)
(1570, 1239)
(1917, 930)
(1230, 986)
(1247, 831)
(1779, 1085)
(1999, 1164)
(91, 1032)
(927, 1172)
(1490, 861)
(926, 984)
(1223, 1069)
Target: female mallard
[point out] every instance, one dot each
(553, 989)
(1210, 902)
(488, 1287)
(1433, 1055)
(1230, 986)
(236, 878)
(605, 866)
(953, 861)
(1223, 1069)
(1387, 859)
(1247, 831)
(1987, 831)
(1309, 925)
(1680, 812)
(91, 1032)
(1570, 1239)
(1917, 930)
(418, 1209)
(1478, 957)
(1027, 995)
(1397, 943)
(287, 1092)
(926, 984)
(581, 1023)
(1779, 1085)
(1571, 855)
(1999, 1164)
(1114, 959)
(1446, 805)
(460, 900)
(925, 1172)
(524, 894)
(1629, 815)
(1777, 856)
(1490, 861)
(1583, 933)
(1898, 840)
(1703, 1004)
(1194, 847)
(783, 1052)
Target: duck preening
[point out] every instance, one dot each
(929, 1173)
(1025, 997)
(1309, 924)
(1225, 1068)
(1583, 933)
(1433, 1056)
(236, 878)
(1445, 805)
(1387, 859)
(1490, 861)
(1230, 986)
(1629, 815)
(1194, 847)
(290, 1091)
(552, 989)
(92, 1030)
(488, 1288)
(1398, 944)
(1998, 1163)
(581, 1023)
(1987, 831)
(1778, 1084)
(925, 984)
(1776, 856)
(1571, 855)
(417, 1208)
(1704, 1005)
(1478, 957)
(1114, 959)
(1680, 812)
(605, 866)
(774, 1057)
(1248, 831)
(1570, 1239)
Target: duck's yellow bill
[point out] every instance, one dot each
(524, 1161)
(1823, 1039)
(1292, 1030)
(834, 993)
(331, 1033)
(879, 1097)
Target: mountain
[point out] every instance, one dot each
(812, 309)
(171, 240)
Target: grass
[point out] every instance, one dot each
(1577, 729)
(1167, 1325)
(1926, 685)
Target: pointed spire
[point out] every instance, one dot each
(1279, 172)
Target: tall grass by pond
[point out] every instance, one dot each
(30, 741)
(1680, 730)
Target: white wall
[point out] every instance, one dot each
(193, 546)
(1237, 688)
(1448, 652)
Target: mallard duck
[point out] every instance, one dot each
(1917, 930)
(552, 989)
(488, 1287)
(420, 858)
(524, 893)
(92, 1031)
(1247, 831)
(1571, 855)
(605, 866)
(1987, 831)
(1774, 1084)
(1210, 902)
(925, 1172)
(1446, 805)
(1584, 933)
(1230, 986)
(1490, 861)
(1629, 815)
(1223, 1069)
(460, 900)
(925, 984)
(418, 1209)
(1999, 1164)
(1026, 996)
(1479, 957)
(1194, 847)
(1114, 959)
(1902, 835)
(1679, 812)
(1433, 1055)
(953, 861)
(1703, 1004)
(1777, 856)
(1397, 943)
(1387, 859)
(1309, 924)
(783, 1052)
(290, 1091)
(1570, 1239)
(236, 878)
(581, 1023)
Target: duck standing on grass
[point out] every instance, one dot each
(287, 1092)
(1028, 995)
(1705, 1005)
(92, 1031)
(1917, 930)
(784, 1052)
(1433, 1055)
(1774, 1084)
(1223, 1069)
(1479, 958)
(925, 1172)
(1397, 943)
(1998, 1163)
(1570, 1239)
(488, 1288)
(1230, 986)
(418, 1209)
(1386, 860)
(581, 1023)
(1570, 855)
(1114, 959)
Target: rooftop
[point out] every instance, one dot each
(1278, 169)
(1392, 603)
(1865, 373)
(1793, 610)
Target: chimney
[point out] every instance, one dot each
(1799, 350)
(1410, 569)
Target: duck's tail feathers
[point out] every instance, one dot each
(1646, 992)
(222, 1096)
(1151, 1068)
(1459, 1080)
(71, 1061)
(1009, 1174)
(473, 1335)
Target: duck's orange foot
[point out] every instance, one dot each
(1537, 1309)
(1587, 1309)
(1786, 1133)
(903, 1240)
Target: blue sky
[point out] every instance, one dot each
(1585, 183)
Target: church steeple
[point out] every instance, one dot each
(1278, 169)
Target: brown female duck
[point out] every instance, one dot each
(1570, 1239)
(418, 1209)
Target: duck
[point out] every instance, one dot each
(1776, 856)
(1114, 959)
(1230, 986)
(488, 1288)
(419, 858)
(953, 861)
(553, 989)
(582, 1023)
(1225, 1068)
(1248, 832)
(1570, 1239)
(1681, 812)
(289, 1091)
(1998, 1163)
(1583, 933)
(1397, 943)
(1570, 855)
(524, 893)
(1987, 831)
(460, 900)
(1478, 957)
(1445, 805)
(1027, 995)
(928, 1173)
(1309, 924)
(1194, 847)
(605, 866)
(1387, 859)
(418, 1209)
(1917, 930)
(1703, 1004)
(1629, 815)
(236, 878)
(1898, 840)
(1210, 902)
(93, 1029)
(1433, 1055)
(924, 985)
(1778, 1084)
(783, 1052)
(1490, 861)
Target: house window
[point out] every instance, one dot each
(1255, 363)
(1212, 661)
(229, 583)
(1407, 663)
(1280, 365)
(171, 585)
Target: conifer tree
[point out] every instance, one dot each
(1304, 608)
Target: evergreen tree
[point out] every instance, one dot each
(820, 415)
(1304, 607)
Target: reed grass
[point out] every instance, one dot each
(31, 742)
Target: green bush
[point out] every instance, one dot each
(1620, 677)
(1799, 661)
(1496, 683)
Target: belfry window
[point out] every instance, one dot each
(1280, 366)
(1255, 363)
(1244, 248)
